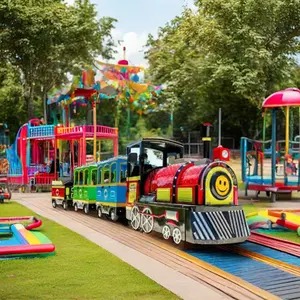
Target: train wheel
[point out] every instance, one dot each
(177, 236)
(54, 204)
(65, 205)
(113, 215)
(75, 207)
(147, 220)
(86, 209)
(166, 232)
(135, 218)
(99, 212)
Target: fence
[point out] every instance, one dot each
(193, 145)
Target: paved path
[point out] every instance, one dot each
(175, 281)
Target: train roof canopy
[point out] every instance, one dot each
(158, 143)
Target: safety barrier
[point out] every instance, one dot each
(40, 131)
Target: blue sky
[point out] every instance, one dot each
(136, 19)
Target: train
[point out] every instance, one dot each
(156, 191)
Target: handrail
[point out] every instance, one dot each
(87, 129)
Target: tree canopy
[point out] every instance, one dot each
(42, 40)
(229, 54)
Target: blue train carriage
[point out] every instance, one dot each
(192, 202)
(111, 188)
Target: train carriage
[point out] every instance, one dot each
(62, 193)
(111, 188)
(5, 193)
(155, 190)
(84, 196)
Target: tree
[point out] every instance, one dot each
(229, 54)
(46, 39)
(11, 100)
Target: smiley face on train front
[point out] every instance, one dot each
(220, 185)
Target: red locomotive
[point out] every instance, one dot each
(193, 202)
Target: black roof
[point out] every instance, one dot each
(157, 140)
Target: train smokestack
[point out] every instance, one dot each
(207, 150)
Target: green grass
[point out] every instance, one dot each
(285, 235)
(249, 208)
(79, 270)
(281, 234)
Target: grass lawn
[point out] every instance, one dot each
(79, 270)
(285, 235)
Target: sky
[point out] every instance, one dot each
(136, 19)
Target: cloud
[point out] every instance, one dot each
(134, 44)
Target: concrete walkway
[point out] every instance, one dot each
(178, 283)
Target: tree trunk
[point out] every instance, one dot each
(45, 105)
(30, 107)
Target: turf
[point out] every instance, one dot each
(285, 235)
(281, 234)
(79, 270)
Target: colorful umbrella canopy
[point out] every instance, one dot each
(288, 97)
(109, 81)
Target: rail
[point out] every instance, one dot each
(44, 178)
(40, 131)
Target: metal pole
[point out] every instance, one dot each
(264, 131)
(128, 123)
(172, 123)
(273, 160)
(220, 125)
(287, 134)
(95, 130)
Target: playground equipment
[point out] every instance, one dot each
(17, 241)
(43, 153)
(269, 219)
(266, 165)
(34, 150)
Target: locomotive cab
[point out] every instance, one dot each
(145, 158)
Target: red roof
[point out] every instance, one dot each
(288, 97)
(86, 93)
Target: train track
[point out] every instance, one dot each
(162, 251)
(276, 271)
(275, 243)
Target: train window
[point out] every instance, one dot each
(94, 177)
(154, 157)
(106, 174)
(99, 175)
(113, 172)
(123, 172)
(75, 177)
(80, 176)
(86, 176)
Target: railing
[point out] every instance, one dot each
(40, 131)
(37, 168)
(44, 178)
(257, 166)
(87, 129)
